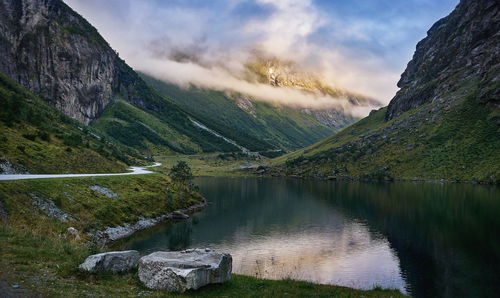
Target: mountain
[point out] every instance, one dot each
(56, 54)
(281, 126)
(277, 127)
(444, 123)
(37, 138)
(288, 74)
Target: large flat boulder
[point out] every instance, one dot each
(115, 261)
(178, 271)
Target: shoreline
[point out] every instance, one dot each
(352, 179)
(112, 234)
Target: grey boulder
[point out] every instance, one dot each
(179, 271)
(116, 261)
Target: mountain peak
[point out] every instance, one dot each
(289, 74)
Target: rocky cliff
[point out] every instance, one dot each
(444, 123)
(462, 46)
(58, 55)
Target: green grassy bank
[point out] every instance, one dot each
(41, 256)
(47, 266)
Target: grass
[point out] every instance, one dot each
(256, 125)
(39, 255)
(47, 266)
(457, 143)
(136, 128)
(34, 136)
(135, 196)
(23, 147)
(214, 164)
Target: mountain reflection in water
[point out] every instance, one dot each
(425, 239)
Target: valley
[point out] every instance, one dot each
(230, 130)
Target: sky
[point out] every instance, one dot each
(359, 45)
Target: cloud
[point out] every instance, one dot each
(207, 43)
(219, 79)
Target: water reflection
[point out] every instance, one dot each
(350, 258)
(428, 239)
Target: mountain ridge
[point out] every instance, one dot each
(56, 54)
(281, 127)
(443, 124)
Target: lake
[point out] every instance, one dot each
(425, 239)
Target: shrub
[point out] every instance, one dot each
(181, 173)
(73, 140)
(45, 136)
(29, 136)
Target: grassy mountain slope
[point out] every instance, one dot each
(444, 123)
(136, 128)
(157, 133)
(35, 137)
(459, 144)
(248, 121)
(55, 53)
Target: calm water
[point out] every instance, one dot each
(424, 239)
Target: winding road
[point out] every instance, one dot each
(134, 171)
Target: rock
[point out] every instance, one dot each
(184, 270)
(15, 286)
(114, 233)
(48, 207)
(116, 261)
(410, 147)
(178, 215)
(104, 191)
(74, 70)
(449, 57)
(8, 169)
(74, 232)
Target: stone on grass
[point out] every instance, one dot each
(178, 271)
(115, 261)
(75, 233)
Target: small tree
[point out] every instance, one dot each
(181, 174)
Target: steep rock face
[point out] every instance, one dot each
(55, 53)
(458, 48)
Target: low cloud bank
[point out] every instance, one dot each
(207, 44)
(186, 74)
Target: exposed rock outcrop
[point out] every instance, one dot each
(6, 168)
(458, 48)
(48, 207)
(104, 191)
(55, 53)
(184, 270)
(116, 261)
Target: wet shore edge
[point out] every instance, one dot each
(111, 234)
